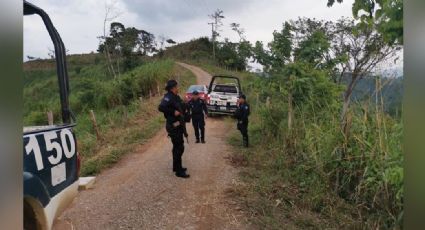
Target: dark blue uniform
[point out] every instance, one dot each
(242, 114)
(198, 108)
(174, 126)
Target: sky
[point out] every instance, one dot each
(80, 22)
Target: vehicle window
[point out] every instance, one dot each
(198, 88)
(225, 89)
(40, 83)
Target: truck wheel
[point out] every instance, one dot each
(30, 220)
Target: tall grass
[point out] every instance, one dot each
(307, 184)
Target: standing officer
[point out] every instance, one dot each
(242, 114)
(198, 108)
(171, 105)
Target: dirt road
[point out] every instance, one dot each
(141, 192)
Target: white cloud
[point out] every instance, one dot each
(79, 22)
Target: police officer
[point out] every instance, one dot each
(171, 105)
(198, 108)
(242, 114)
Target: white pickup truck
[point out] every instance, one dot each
(223, 97)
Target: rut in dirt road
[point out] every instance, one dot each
(141, 191)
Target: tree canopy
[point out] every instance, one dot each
(386, 14)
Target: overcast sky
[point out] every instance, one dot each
(80, 22)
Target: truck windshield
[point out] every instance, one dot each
(199, 88)
(225, 89)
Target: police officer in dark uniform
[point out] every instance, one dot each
(172, 107)
(242, 114)
(199, 111)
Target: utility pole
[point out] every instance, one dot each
(216, 16)
(213, 37)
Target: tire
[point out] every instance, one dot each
(30, 220)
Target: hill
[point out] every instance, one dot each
(390, 88)
(196, 49)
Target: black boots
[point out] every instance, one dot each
(197, 141)
(184, 169)
(182, 174)
(203, 141)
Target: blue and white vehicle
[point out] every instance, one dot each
(51, 161)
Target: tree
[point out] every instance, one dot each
(217, 16)
(304, 40)
(312, 39)
(171, 41)
(124, 44)
(386, 14)
(261, 55)
(244, 51)
(363, 48)
(297, 57)
(281, 46)
(111, 13)
(146, 42)
(227, 55)
(351, 49)
(116, 32)
(116, 29)
(240, 31)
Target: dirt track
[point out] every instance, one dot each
(141, 192)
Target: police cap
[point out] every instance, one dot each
(170, 84)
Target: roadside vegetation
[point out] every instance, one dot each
(114, 92)
(124, 108)
(326, 123)
(290, 177)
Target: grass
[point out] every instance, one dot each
(123, 134)
(275, 200)
(122, 138)
(124, 121)
(288, 179)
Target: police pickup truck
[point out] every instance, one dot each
(51, 161)
(223, 94)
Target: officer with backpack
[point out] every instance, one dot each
(199, 112)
